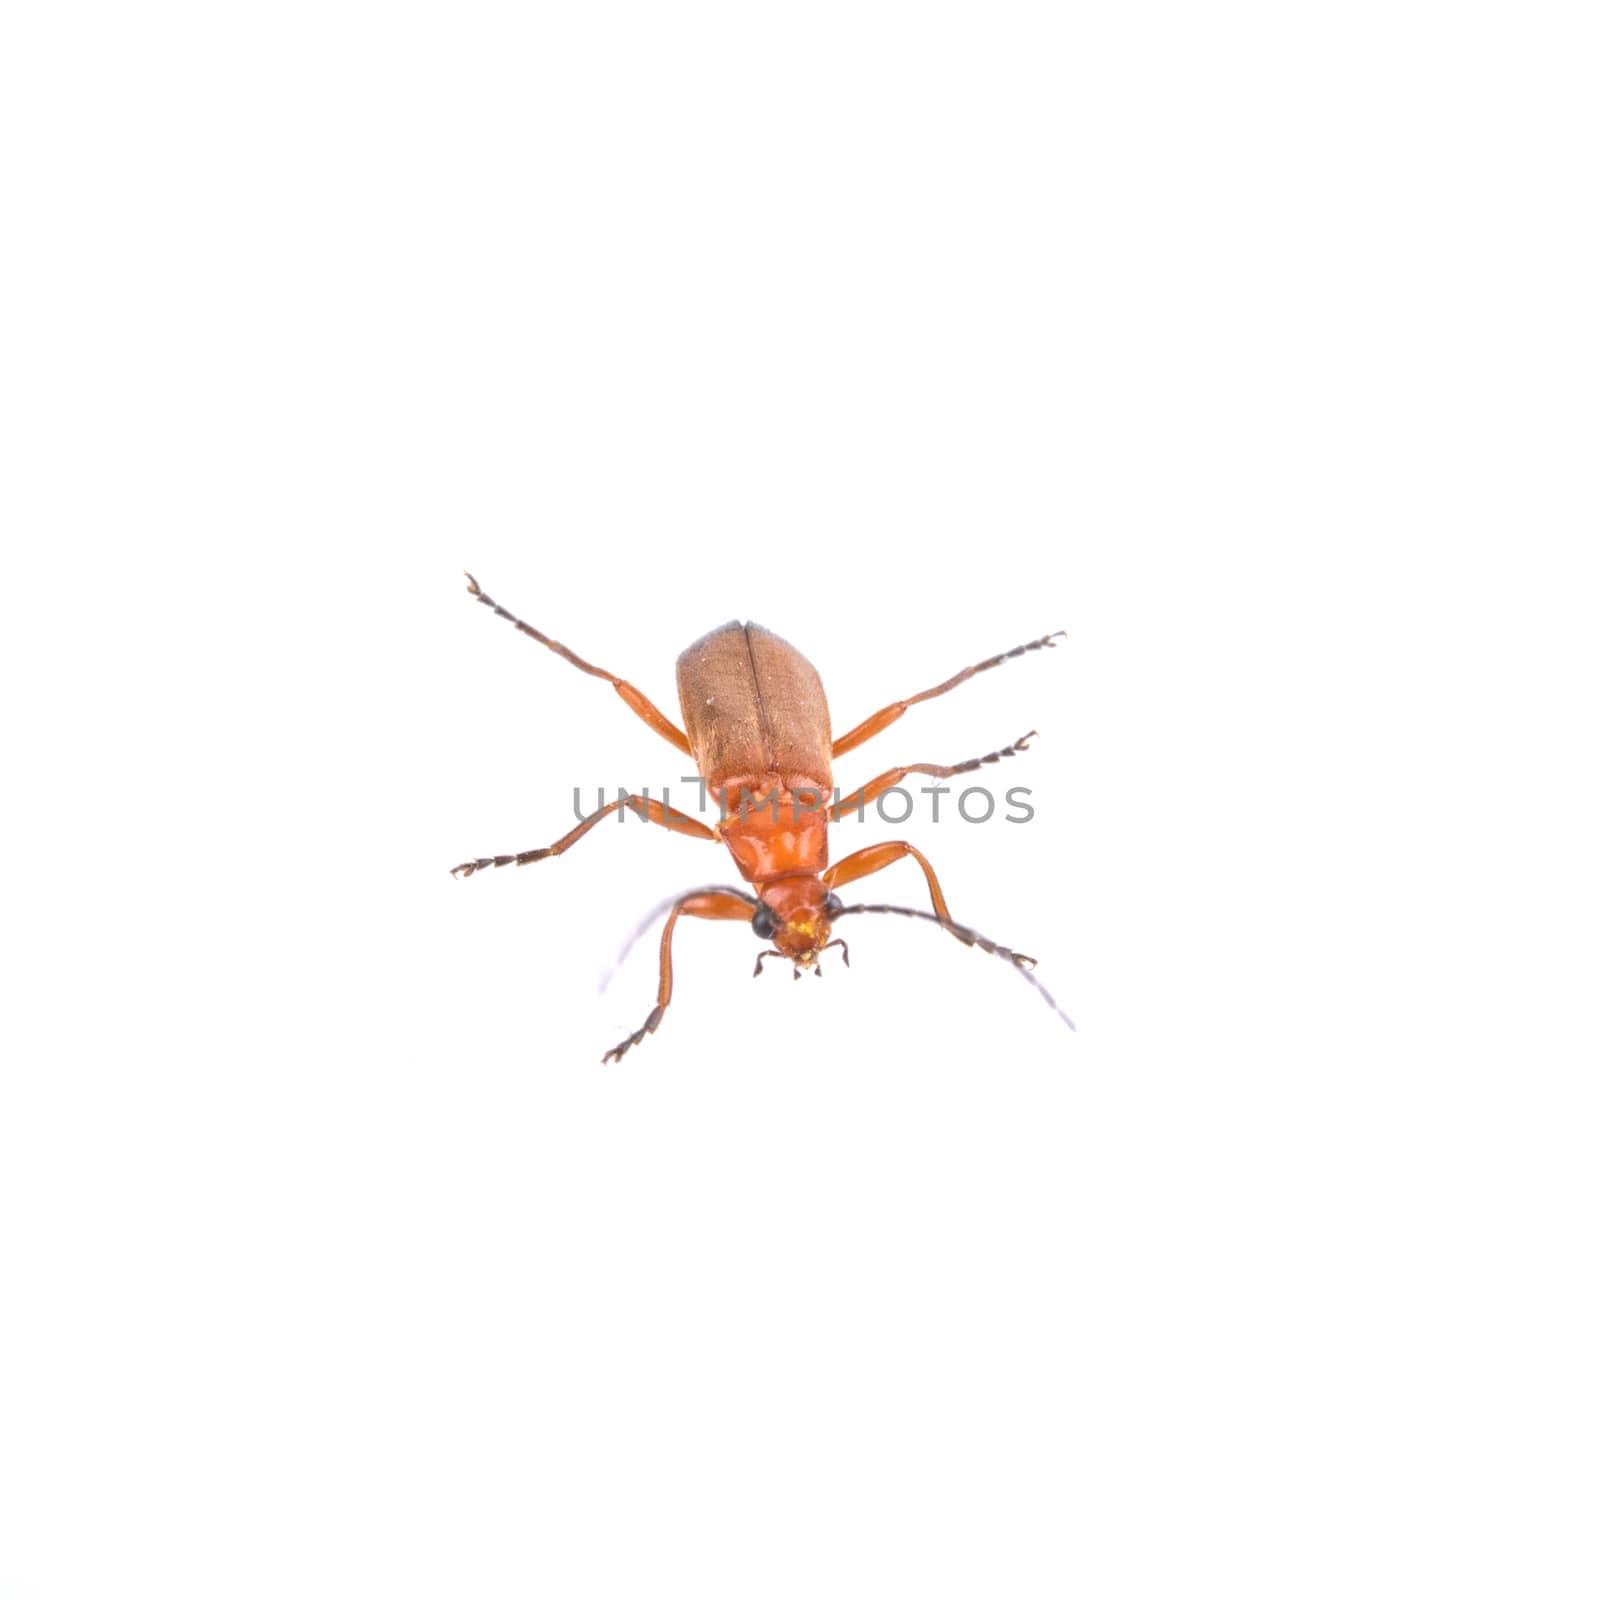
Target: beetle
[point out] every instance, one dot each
(756, 724)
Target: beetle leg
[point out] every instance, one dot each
(650, 810)
(878, 856)
(876, 723)
(642, 708)
(860, 799)
(716, 906)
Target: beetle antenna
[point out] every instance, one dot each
(1021, 963)
(657, 914)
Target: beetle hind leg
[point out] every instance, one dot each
(879, 720)
(642, 707)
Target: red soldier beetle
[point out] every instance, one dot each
(756, 725)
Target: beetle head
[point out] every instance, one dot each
(797, 915)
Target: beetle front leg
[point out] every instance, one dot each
(649, 810)
(715, 906)
(878, 856)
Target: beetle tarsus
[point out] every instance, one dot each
(467, 868)
(618, 1051)
(1016, 747)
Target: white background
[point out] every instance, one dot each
(1255, 346)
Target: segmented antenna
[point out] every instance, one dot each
(1022, 964)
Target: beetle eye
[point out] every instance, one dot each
(762, 924)
(833, 905)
